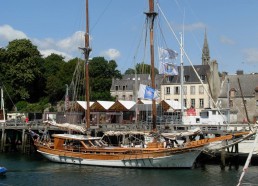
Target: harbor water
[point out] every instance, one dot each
(35, 170)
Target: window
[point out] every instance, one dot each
(193, 103)
(245, 102)
(169, 79)
(185, 103)
(123, 97)
(167, 90)
(176, 90)
(116, 87)
(185, 90)
(201, 103)
(131, 97)
(124, 87)
(192, 90)
(202, 77)
(116, 97)
(231, 103)
(186, 78)
(232, 93)
(201, 89)
(176, 99)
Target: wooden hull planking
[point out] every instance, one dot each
(184, 159)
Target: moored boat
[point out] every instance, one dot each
(159, 152)
(85, 150)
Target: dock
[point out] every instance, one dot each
(15, 136)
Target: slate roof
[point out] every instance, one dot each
(202, 70)
(248, 83)
(129, 81)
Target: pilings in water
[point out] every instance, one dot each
(15, 137)
(223, 156)
(229, 156)
(3, 140)
(15, 140)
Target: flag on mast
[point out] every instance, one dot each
(166, 55)
(166, 58)
(147, 92)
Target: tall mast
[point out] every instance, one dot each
(87, 51)
(182, 77)
(151, 17)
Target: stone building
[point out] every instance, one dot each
(195, 94)
(240, 91)
(125, 88)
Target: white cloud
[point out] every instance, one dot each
(251, 55)
(70, 43)
(225, 40)
(7, 33)
(45, 43)
(65, 47)
(111, 53)
(48, 52)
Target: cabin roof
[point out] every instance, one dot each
(102, 105)
(117, 133)
(121, 105)
(75, 137)
(171, 104)
(83, 104)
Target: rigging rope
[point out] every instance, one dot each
(245, 168)
(172, 30)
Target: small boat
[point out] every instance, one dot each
(3, 170)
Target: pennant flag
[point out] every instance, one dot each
(168, 69)
(146, 92)
(166, 55)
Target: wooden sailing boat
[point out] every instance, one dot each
(155, 151)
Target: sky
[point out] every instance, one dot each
(117, 29)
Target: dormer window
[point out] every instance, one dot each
(186, 78)
(232, 93)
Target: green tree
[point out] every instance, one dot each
(141, 68)
(21, 63)
(101, 73)
(130, 71)
(58, 73)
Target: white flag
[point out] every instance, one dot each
(146, 92)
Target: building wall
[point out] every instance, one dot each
(214, 80)
(200, 93)
(249, 86)
(124, 89)
(126, 95)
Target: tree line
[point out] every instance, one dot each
(32, 82)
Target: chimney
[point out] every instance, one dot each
(239, 72)
(223, 75)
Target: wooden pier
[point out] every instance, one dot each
(16, 137)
